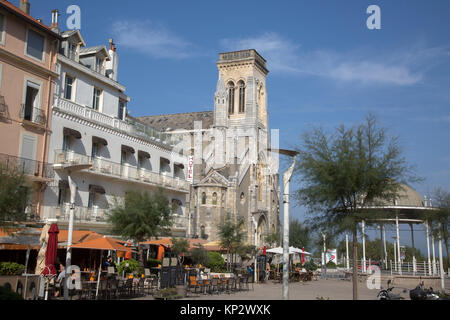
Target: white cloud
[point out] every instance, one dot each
(150, 39)
(285, 56)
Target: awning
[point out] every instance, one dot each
(179, 164)
(96, 189)
(71, 132)
(143, 154)
(99, 140)
(165, 160)
(63, 184)
(128, 149)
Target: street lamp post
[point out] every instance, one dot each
(73, 189)
(287, 176)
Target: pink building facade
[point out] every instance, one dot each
(28, 55)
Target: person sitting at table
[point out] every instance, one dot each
(108, 263)
(60, 280)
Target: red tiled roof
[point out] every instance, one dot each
(15, 10)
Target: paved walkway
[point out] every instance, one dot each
(333, 289)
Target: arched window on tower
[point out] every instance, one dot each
(203, 198)
(241, 97)
(214, 198)
(230, 97)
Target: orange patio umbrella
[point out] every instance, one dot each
(103, 243)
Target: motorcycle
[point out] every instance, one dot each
(420, 293)
(387, 294)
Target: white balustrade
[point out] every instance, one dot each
(135, 129)
(126, 171)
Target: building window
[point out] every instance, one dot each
(66, 143)
(96, 99)
(35, 45)
(124, 157)
(141, 161)
(122, 106)
(68, 87)
(95, 150)
(98, 65)
(62, 196)
(214, 198)
(72, 50)
(203, 198)
(241, 97)
(230, 97)
(91, 200)
(2, 28)
(31, 108)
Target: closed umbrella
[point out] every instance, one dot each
(52, 250)
(303, 256)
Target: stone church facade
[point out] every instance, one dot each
(234, 173)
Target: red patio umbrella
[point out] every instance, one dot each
(52, 250)
(303, 256)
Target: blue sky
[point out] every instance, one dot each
(326, 67)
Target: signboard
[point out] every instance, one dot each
(332, 255)
(190, 173)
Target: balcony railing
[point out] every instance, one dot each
(34, 115)
(131, 127)
(123, 171)
(27, 166)
(81, 214)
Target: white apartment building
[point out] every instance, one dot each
(106, 151)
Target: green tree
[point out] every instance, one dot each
(180, 247)
(273, 239)
(141, 216)
(199, 254)
(342, 173)
(14, 196)
(215, 262)
(231, 237)
(299, 235)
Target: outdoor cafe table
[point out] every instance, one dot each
(87, 286)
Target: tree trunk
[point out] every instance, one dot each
(141, 255)
(355, 263)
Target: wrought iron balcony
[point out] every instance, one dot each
(28, 167)
(34, 115)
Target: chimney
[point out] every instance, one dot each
(25, 6)
(54, 25)
(112, 45)
(112, 66)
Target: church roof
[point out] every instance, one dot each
(171, 122)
